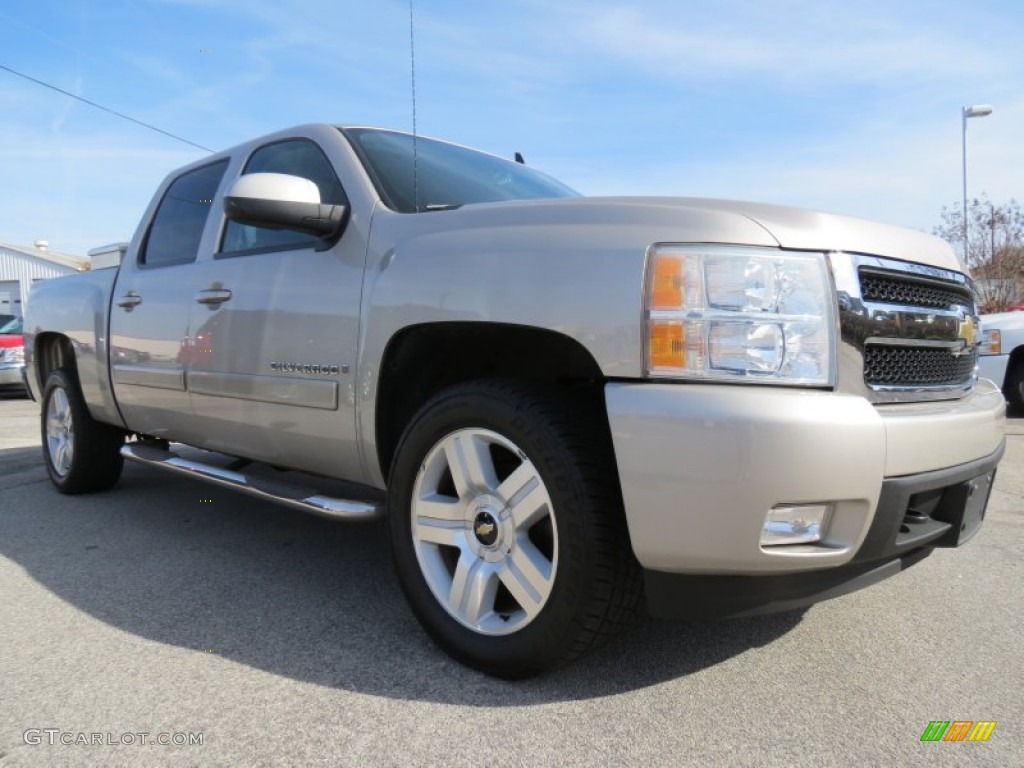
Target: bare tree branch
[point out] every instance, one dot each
(995, 249)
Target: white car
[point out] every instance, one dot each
(1001, 355)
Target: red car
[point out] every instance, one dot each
(12, 353)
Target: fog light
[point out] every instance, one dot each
(794, 524)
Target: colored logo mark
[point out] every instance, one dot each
(958, 730)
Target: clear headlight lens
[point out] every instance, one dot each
(12, 355)
(991, 342)
(734, 313)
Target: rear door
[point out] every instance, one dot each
(274, 329)
(149, 316)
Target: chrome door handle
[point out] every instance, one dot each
(213, 297)
(129, 301)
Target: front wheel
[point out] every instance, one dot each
(507, 528)
(81, 454)
(1013, 387)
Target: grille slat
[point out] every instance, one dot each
(885, 289)
(895, 366)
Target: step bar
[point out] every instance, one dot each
(289, 495)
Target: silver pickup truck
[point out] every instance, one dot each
(562, 406)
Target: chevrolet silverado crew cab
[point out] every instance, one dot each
(563, 407)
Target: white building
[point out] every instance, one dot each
(22, 265)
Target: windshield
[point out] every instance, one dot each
(11, 326)
(446, 175)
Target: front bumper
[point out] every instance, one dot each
(915, 515)
(700, 466)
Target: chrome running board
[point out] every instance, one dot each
(290, 495)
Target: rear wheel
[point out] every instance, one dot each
(81, 454)
(507, 528)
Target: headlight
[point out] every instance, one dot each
(12, 355)
(991, 342)
(731, 313)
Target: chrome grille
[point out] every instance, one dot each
(888, 289)
(893, 366)
(908, 331)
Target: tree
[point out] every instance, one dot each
(995, 249)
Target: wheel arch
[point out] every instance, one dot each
(52, 351)
(87, 365)
(421, 360)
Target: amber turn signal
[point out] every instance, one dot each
(667, 282)
(666, 345)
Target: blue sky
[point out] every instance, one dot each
(843, 106)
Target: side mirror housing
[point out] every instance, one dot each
(282, 201)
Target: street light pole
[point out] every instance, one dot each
(978, 110)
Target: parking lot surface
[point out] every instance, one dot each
(174, 610)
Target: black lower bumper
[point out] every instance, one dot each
(915, 514)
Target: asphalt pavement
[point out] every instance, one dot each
(243, 633)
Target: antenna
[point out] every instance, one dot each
(415, 142)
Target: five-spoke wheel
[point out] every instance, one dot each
(484, 530)
(507, 528)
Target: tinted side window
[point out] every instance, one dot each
(178, 225)
(298, 157)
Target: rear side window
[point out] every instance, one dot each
(297, 157)
(178, 225)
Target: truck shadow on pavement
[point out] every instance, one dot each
(194, 566)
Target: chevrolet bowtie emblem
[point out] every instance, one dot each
(484, 529)
(967, 332)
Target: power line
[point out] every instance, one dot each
(105, 109)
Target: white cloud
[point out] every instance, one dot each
(792, 41)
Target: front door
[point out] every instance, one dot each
(273, 334)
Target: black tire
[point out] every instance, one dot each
(586, 584)
(81, 454)
(1013, 387)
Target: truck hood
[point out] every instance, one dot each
(629, 222)
(802, 229)
(1004, 321)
